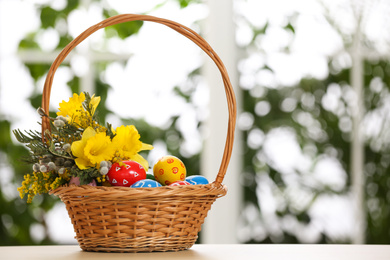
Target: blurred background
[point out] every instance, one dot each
(312, 152)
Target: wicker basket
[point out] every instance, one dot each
(120, 219)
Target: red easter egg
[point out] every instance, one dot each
(179, 183)
(126, 175)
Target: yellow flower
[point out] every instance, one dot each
(127, 143)
(94, 103)
(73, 108)
(92, 149)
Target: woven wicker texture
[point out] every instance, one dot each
(119, 219)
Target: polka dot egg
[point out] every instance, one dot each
(169, 169)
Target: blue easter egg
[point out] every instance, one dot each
(147, 183)
(197, 179)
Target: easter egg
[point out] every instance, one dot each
(197, 179)
(125, 175)
(179, 183)
(169, 169)
(147, 183)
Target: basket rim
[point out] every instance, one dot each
(108, 193)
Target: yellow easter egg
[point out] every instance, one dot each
(169, 169)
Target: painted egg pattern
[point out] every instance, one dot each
(147, 183)
(197, 180)
(125, 175)
(169, 169)
(179, 183)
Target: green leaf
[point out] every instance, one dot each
(124, 30)
(102, 91)
(71, 5)
(36, 100)
(186, 95)
(303, 217)
(37, 70)
(290, 27)
(74, 84)
(64, 40)
(109, 13)
(259, 31)
(29, 43)
(185, 3)
(5, 137)
(48, 17)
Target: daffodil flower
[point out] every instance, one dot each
(128, 145)
(94, 103)
(93, 148)
(73, 108)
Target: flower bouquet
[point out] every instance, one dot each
(78, 149)
(74, 156)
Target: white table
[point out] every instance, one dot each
(208, 252)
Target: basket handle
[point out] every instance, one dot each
(187, 32)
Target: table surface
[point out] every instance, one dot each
(208, 252)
